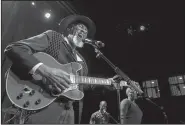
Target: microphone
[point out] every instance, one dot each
(100, 44)
(104, 112)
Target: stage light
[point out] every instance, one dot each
(47, 15)
(180, 77)
(152, 82)
(33, 3)
(184, 87)
(142, 28)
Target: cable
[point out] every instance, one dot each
(4, 92)
(11, 118)
(4, 59)
(161, 109)
(6, 113)
(58, 119)
(113, 119)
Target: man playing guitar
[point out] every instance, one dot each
(62, 46)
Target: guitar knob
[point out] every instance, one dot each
(20, 96)
(26, 104)
(26, 89)
(32, 92)
(38, 101)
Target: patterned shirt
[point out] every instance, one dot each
(99, 118)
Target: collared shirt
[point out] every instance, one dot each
(99, 118)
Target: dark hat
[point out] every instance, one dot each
(73, 19)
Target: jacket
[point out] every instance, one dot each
(52, 43)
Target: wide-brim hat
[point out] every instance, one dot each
(72, 19)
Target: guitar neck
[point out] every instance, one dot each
(89, 80)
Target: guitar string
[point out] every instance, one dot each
(79, 79)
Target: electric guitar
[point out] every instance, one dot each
(31, 94)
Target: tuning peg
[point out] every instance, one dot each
(123, 83)
(117, 78)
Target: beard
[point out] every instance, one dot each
(78, 41)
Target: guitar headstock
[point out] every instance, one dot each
(123, 83)
(135, 86)
(119, 85)
(134, 83)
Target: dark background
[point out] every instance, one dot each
(157, 53)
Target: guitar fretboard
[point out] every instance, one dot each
(89, 80)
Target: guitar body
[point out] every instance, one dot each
(31, 94)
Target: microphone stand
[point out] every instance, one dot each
(118, 72)
(113, 119)
(161, 108)
(182, 122)
(125, 77)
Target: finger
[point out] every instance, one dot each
(57, 83)
(113, 81)
(50, 87)
(57, 88)
(44, 80)
(60, 85)
(63, 83)
(53, 82)
(47, 80)
(60, 81)
(67, 79)
(59, 72)
(65, 73)
(55, 91)
(64, 76)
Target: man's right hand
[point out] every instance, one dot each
(54, 77)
